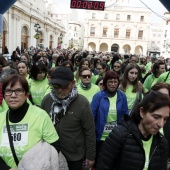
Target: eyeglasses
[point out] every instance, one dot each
(61, 61)
(112, 82)
(86, 76)
(117, 66)
(18, 92)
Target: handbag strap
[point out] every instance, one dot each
(167, 76)
(11, 140)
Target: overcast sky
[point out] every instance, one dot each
(63, 6)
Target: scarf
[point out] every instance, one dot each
(59, 106)
(85, 87)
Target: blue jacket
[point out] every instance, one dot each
(100, 107)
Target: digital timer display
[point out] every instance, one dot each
(90, 5)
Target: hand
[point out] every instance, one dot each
(89, 163)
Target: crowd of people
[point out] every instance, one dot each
(100, 110)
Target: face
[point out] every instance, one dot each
(41, 75)
(23, 58)
(112, 85)
(132, 75)
(104, 59)
(62, 92)
(15, 101)
(164, 91)
(133, 60)
(116, 67)
(85, 64)
(151, 123)
(100, 69)
(161, 69)
(60, 62)
(70, 56)
(22, 69)
(85, 77)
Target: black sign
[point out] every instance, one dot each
(90, 5)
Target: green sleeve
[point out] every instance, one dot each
(147, 83)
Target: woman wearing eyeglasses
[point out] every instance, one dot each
(28, 124)
(84, 63)
(108, 106)
(117, 67)
(102, 69)
(60, 60)
(85, 87)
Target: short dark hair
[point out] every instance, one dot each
(36, 68)
(13, 79)
(151, 102)
(156, 67)
(70, 63)
(109, 75)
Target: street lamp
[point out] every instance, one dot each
(36, 28)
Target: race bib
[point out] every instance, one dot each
(109, 126)
(19, 133)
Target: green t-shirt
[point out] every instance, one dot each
(147, 147)
(163, 76)
(53, 65)
(28, 77)
(38, 89)
(149, 82)
(89, 93)
(34, 127)
(111, 120)
(131, 97)
(148, 66)
(3, 107)
(154, 81)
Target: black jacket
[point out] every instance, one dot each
(123, 150)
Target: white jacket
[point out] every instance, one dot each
(43, 156)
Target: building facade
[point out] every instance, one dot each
(19, 22)
(74, 29)
(76, 34)
(165, 47)
(155, 39)
(119, 29)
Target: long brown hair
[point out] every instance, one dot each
(125, 79)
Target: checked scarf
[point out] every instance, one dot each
(59, 107)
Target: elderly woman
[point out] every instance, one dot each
(108, 106)
(137, 144)
(85, 86)
(22, 119)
